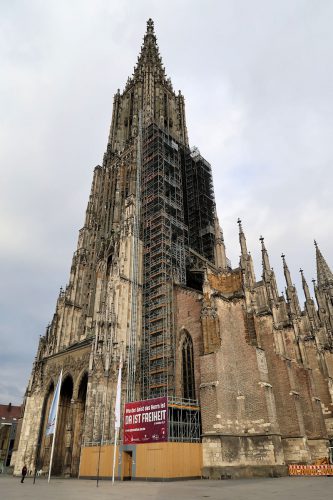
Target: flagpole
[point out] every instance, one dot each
(114, 453)
(103, 427)
(117, 415)
(55, 430)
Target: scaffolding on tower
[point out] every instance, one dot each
(135, 285)
(164, 236)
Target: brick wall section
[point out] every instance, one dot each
(311, 409)
(299, 414)
(251, 393)
(187, 319)
(280, 379)
(321, 382)
(237, 422)
(328, 357)
(233, 397)
(208, 393)
(227, 283)
(240, 395)
(290, 347)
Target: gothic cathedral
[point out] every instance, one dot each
(247, 372)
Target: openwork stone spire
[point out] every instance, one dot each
(149, 58)
(324, 274)
(147, 92)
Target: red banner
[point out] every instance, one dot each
(146, 421)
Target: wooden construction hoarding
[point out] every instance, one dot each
(151, 461)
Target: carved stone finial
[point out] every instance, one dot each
(150, 26)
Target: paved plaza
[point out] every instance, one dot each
(293, 488)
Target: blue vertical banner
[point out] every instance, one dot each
(51, 423)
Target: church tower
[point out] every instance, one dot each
(150, 224)
(151, 288)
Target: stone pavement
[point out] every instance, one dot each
(286, 488)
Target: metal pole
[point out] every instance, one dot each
(99, 459)
(55, 429)
(102, 426)
(100, 441)
(114, 454)
(52, 449)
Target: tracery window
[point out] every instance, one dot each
(188, 368)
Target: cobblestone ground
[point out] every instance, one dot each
(293, 488)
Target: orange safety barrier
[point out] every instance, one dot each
(310, 470)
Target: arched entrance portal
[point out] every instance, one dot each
(80, 406)
(70, 421)
(44, 442)
(64, 434)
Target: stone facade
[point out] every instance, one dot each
(259, 365)
(9, 430)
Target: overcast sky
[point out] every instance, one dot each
(257, 79)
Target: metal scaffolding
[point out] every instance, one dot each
(184, 420)
(199, 203)
(164, 239)
(132, 344)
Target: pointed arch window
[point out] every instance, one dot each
(188, 368)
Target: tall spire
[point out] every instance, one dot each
(324, 274)
(149, 93)
(149, 57)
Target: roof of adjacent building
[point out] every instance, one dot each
(9, 413)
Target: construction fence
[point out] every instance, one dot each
(310, 470)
